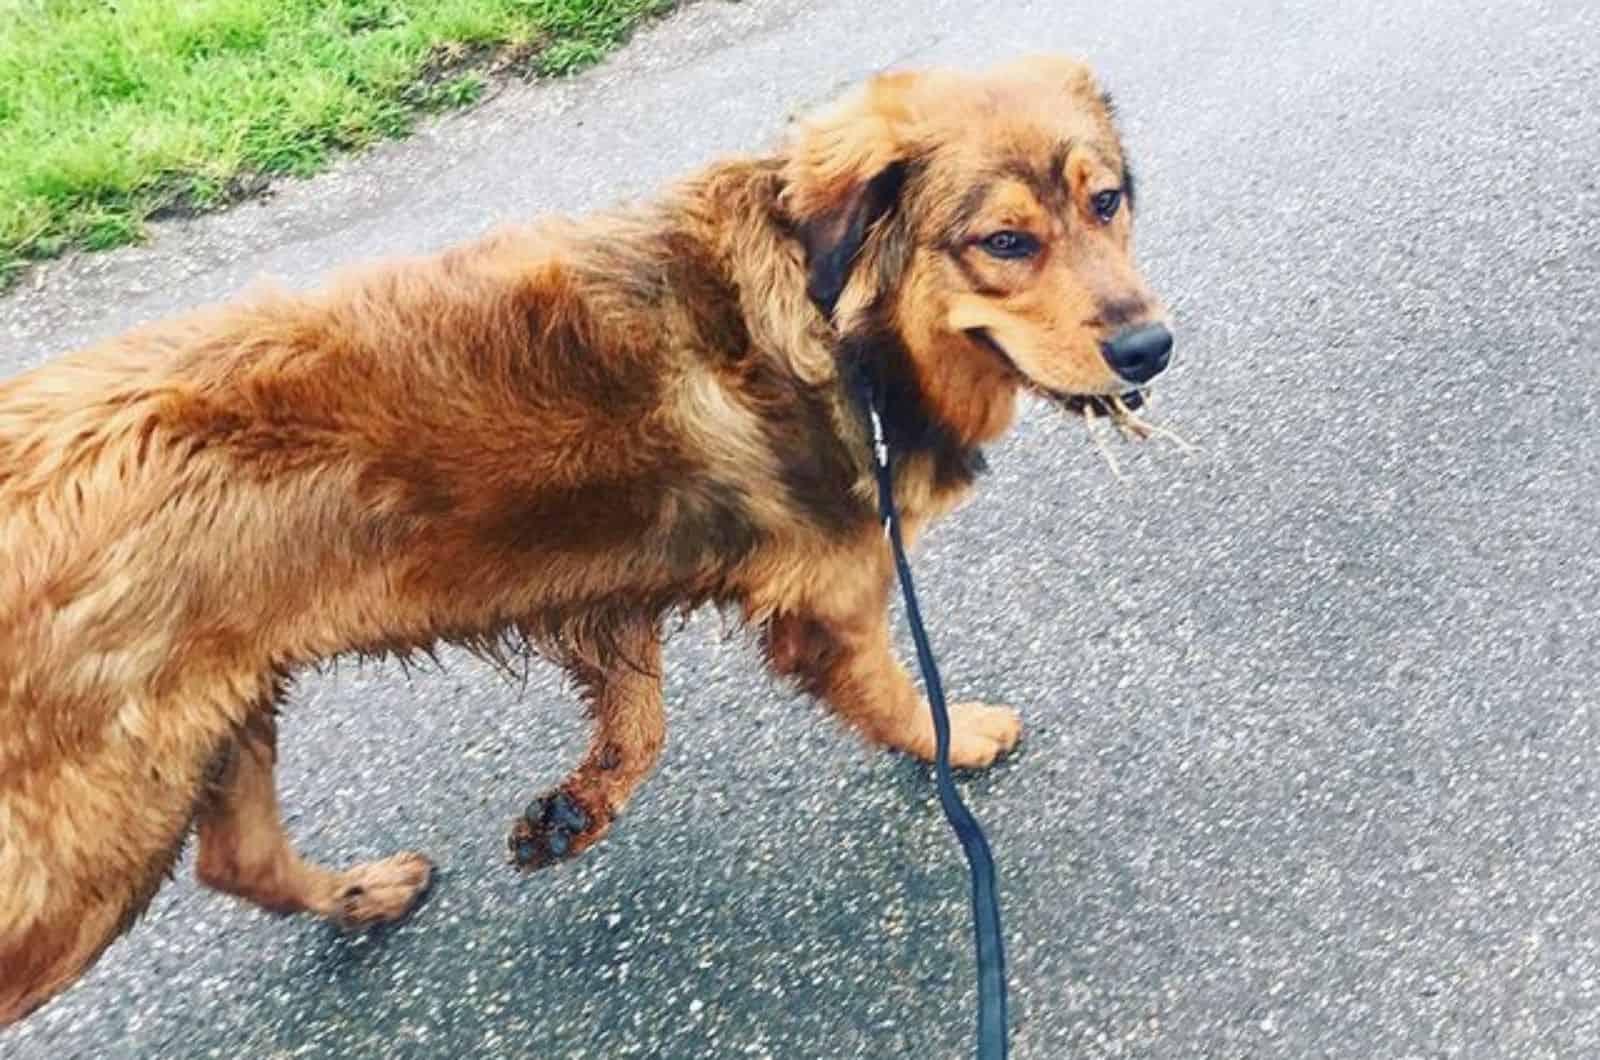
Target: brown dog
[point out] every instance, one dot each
(551, 437)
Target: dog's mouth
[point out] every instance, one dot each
(1088, 406)
(1120, 410)
(1095, 406)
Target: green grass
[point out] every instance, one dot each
(112, 111)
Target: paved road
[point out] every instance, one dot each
(1312, 766)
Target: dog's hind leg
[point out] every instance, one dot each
(82, 851)
(46, 956)
(622, 685)
(245, 852)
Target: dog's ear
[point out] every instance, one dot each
(843, 173)
(833, 240)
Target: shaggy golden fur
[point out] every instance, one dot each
(552, 437)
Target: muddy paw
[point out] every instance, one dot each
(380, 891)
(980, 733)
(553, 827)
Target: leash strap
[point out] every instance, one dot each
(992, 1041)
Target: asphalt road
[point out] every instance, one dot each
(1311, 767)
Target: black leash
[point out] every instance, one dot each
(992, 1041)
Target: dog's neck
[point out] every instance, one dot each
(936, 456)
(874, 361)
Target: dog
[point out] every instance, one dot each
(550, 439)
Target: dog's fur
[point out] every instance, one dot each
(554, 436)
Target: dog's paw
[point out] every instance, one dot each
(980, 733)
(380, 891)
(554, 827)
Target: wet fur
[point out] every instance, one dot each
(548, 438)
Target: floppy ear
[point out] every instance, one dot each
(833, 240)
(843, 173)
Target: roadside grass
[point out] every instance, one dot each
(116, 111)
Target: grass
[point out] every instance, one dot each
(116, 111)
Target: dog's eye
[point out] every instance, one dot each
(1106, 203)
(1010, 244)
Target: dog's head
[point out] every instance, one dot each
(987, 219)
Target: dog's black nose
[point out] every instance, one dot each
(1139, 354)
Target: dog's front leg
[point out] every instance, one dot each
(848, 661)
(621, 681)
